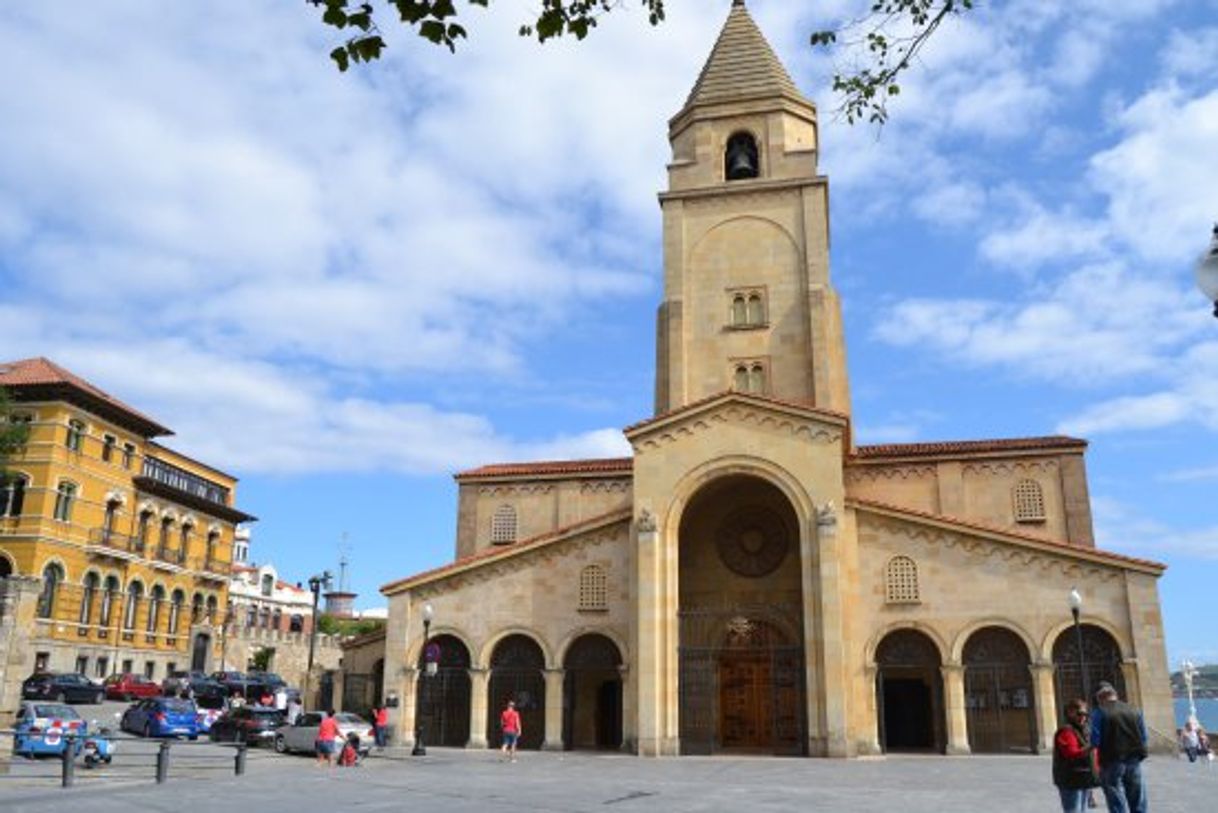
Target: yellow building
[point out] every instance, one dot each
(132, 540)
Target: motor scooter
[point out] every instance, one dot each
(98, 746)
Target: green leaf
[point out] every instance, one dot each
(339, 55)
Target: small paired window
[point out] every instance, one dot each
(503, 525)
(76, 433)
(1029, 500)
(108, 444)
(901, 581)
(593, 589)
(750, 377)
(65, 498)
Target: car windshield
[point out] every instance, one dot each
(55, 710)
(175, 704)
(350, 719)
(266, 714)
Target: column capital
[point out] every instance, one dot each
(952, 669)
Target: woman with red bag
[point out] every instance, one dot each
(1075, 763)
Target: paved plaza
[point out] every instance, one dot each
(456, 781)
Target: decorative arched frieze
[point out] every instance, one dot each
(992, 621)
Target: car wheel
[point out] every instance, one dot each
(281, 745)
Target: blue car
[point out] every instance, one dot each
(162, 717)
(46, 728)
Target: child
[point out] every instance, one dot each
(349, 756)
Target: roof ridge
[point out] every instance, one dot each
(881, 450)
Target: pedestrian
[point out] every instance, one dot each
(327, 736)
(380, 725)
(509, 722)
(294, 709)
(236, 701)
(266, 698)
(1190, 742)
(1119, 732)
(281, 698)
(1075, 768)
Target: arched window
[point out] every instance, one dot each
(740, 158)
(135, 592)
(1029, 501)
(251, 617)
(52, 577)
(268, 584)
(276, 619)
(175, 610)
(296, 623)
(196, 608)
(901, 581)
(108, 520)
(141, 532)
(76, 431)
(65, 498)
(12, 495)
(90, 587)
(741, 381)
(757, 379)
(107, 602)
(212, 606)
(155, 600)
(503, 525)
(740, 310)
(212, 538)
(107, 451)
(184, 550)
(756, 311)
(266, 618)
(593, 589)
(162, 545)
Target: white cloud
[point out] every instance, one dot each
(1191, 53)
(1124, 529)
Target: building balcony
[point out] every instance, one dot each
(213, 570)
(105, 542)
(170, 559)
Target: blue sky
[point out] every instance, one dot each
(343, 288)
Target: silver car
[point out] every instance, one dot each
(302, 735)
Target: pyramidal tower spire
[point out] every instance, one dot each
(747, 304)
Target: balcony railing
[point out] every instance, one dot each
(212, 566)
(116, 541)
(174, 556)
(182, 480)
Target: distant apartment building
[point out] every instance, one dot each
(259, 599)
(131, 540)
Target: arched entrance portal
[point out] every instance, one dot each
(1101, 660)
(998, 694)
(517, 666)
(442, 699)
(741, 629)
(198, 655)
(592, 694)
(909, 693)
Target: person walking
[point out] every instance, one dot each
(1119, 732)
(294, 709)
(380, 725)
(281, 699)
(327, 737)
(1075, 768)
(509, 722)
(1189, 741)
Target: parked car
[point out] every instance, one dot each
(46, 728)
(233, 682)
(129, 686)
(252, 724)
(197, 684)
(210, 707)
(162, 717)
(63, 687)
(301, 735)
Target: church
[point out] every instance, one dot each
(751, 580)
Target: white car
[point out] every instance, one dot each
(302, 735)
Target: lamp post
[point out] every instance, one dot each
(1207, 271)
(1076, 606)
(316, 584)
(420, 750)
(1189, 673)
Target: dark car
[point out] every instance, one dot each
(250, 724)
(162, 717)
(233, 682)
(62, 687)
(196, 684)
(130, 687)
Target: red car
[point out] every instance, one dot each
(129, 687)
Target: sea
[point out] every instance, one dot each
(1207, 711)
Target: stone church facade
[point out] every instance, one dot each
(750, 579)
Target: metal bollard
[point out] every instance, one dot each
(239, 760)
(162, 763)
(69, 761)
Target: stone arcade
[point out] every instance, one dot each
(751, 580)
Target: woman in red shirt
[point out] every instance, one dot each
(509, 721)
(1075, 768)
(327, 735)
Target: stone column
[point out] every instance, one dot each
(479, 685)
(554, 686)
(957, 716)
(834, 685)
(404, 722)
(628, 731)
(653, 612)
(18, 607)
(1046, 705)
(869, 742)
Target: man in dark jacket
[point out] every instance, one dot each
(1119, 732)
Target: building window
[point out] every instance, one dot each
(76, 432)
(128, 455)
(149, 669)
(128, 666)
(750, 377)
(196, 608)
(503, 525)
(135, 591)
(86, 597)
(251, 617)
(82, 664)
(756, 310)
(184, 552)
(12, 495)
(296, 623)
(748, 309)
(1029, 501)
(103, 666)
(175, 610)
(155, 600)
(107, 600)
(757, 379)
(277, 619)
(52, 577)
(212, 606)
(740, 158)
(42, 661)
(593, 591)
(212, 538)
(162, 547)
(141, 532)
(65, 496)
(266, 618)
(108, 443)
(268, 584)
(901, 581)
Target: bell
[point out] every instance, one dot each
(740, 163)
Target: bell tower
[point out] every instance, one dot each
(747, 299)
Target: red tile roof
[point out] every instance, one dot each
(43, 373)
(953, 447)
(495, 553)
(605, 465)
(1017, 536)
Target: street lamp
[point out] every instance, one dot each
(1189, 673)
(316, 584)
(1076, 605)
(420, 750)
(1207, 271)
